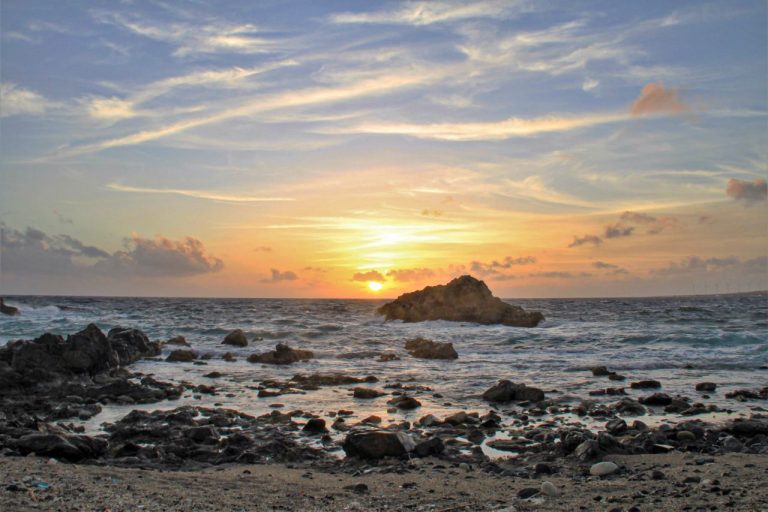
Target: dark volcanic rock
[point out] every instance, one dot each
(71, 448)
(236, 338)
(376, 444)
(465, 299)
(707, 387)
(646, 384)
(432, 446)
(178, 340)
(283, 354)
(6, 309)
(88, 352)
(657, 399)
(366, 393)
(506, 391)
(404, 402)
(181, 356)
(428, 349)
(315, 426)
(329, 379)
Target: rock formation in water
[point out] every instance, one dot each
(465, 299)
(7, 310)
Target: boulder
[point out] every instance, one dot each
(656, 399)
(236, 338)
(283, 354)
(432, 446)
(465, 299)
(376, 444)
(60, 446)
(603, 468)
(706, 387)
(506, 391)
(178, 340)
(181, 356)
(50, 357)
(366, 393)
(404, 402)
(8, 310)
(315, 426)
(646, 384)
(428, 349)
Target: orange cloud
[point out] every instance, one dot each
(656, 99)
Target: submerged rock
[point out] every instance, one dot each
(178, 340)
(181, 356)
(236, 338)
(506, 391)
(376, 444)
(465, 299)
(428, 349)
(283, 354)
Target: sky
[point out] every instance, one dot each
(365, 149)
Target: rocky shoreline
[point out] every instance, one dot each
(523, 434)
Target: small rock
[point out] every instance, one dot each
(527, 492)
(603, 468)
(236, 338)
(181, 356)
(645, 384)
(706, 386)
(549, 489)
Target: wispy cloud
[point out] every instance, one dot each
(747, 191)
(278, 276)
(427, 13)
(196, 38)
(198, 194)
(476, 131)
(656, 99)
(16, 101)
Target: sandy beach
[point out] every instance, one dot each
(645, 482)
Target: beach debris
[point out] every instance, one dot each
(236, 338)
(427, 349)
(464, 299)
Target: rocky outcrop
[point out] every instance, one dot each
(236, 338)
(376, 444)
(465, 299)
(283, 354)
(6, 309)
(506, 391)
(428, 349)
(88, 352)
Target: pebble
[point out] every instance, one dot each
(686, 436)
(549, 489)
(603, 468)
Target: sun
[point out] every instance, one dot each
(375, 286)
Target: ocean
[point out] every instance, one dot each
(678, 341)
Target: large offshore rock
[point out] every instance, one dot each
(465, 299)
(6, 309)
(428, 349)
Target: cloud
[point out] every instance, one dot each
(405, 275)
(697, 264)
(610, 267)
(618, 230)
(590, 84)
(371, 275)
(32, 252)
(495, 268)
(560, 275)
(197, 38)
(655, 224)
(656, 99)
(475, 131)
(262, 248)
(17, 101)
(427, 13)
(278, 276)
(586, 239)
(747, 191)
(198, 194)
(226, 78)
